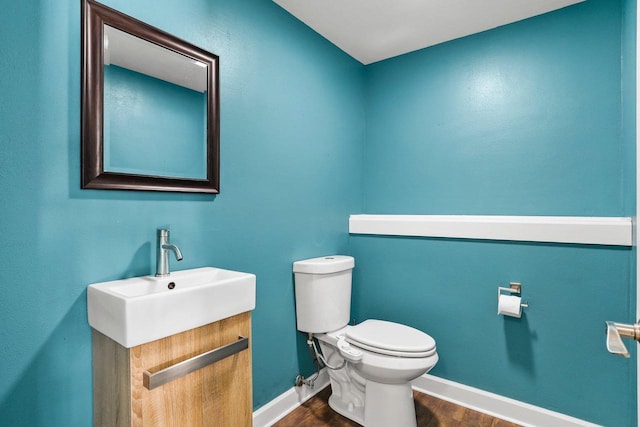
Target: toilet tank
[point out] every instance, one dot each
(323, 293)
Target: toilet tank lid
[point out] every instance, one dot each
(324, 265)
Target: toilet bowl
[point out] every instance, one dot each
(375, 390)
(377, 359)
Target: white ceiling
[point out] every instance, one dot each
(373, 30)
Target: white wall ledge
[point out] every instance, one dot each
(616, 231)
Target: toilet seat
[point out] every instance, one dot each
(392, 339)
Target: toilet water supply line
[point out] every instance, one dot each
(317, 359)
(312, 343)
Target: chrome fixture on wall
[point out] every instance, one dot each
(162, 253)
(510, 300)
(617, 331)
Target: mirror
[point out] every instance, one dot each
(150, 107)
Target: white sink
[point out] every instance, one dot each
(143, 309)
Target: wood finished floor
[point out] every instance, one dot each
(431, 412)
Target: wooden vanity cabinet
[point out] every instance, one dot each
(216, 395)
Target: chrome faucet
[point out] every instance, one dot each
(162, 253)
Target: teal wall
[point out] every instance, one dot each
(525, 119)
(516, 121)
(292, 130)
(535, 118)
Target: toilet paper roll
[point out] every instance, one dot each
(509, 305)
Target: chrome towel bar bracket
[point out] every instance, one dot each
(188, 366)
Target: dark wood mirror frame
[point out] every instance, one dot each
(95, 16)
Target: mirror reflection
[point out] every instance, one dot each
(155, 104)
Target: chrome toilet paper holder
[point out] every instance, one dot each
(514, 288)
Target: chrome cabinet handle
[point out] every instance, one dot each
(200, 361)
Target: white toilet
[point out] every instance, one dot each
(376, 360)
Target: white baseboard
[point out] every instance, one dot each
(279, 407)
(495, 405)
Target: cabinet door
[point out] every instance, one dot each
(216, 395)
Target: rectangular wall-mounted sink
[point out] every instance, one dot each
(143, 309)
